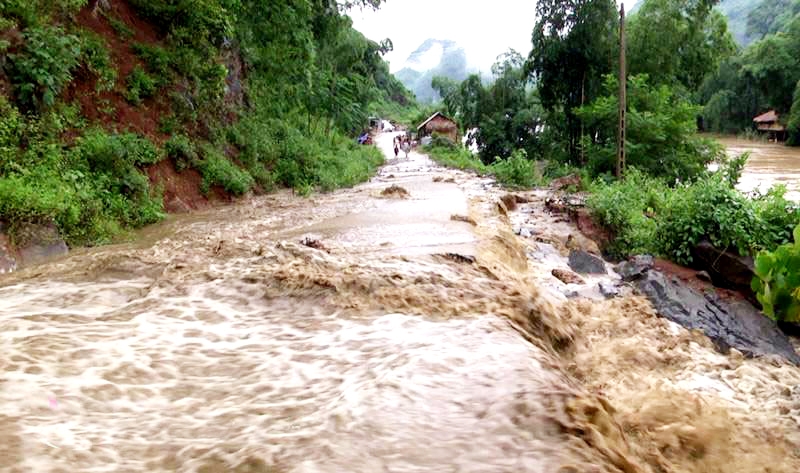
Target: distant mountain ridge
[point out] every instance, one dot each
(434, 57)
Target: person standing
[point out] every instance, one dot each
(406, 147)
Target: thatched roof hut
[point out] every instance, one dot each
(438, 124)
(769, 122)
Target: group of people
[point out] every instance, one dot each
(401, 142)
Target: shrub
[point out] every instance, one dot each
(43, 66)
(182, 152)
(456, 157)
(120, 27)
(777, 281)
(626, 208)
(647, 216)
(140, 86)
(157, 60)
(217, 170)
(516, 171)
(96, 57)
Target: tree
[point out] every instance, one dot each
(678, 42)
(661, 133)
(574, 44)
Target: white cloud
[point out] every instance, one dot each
(485, 28)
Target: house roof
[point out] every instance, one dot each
(770, 116)
(437, 114)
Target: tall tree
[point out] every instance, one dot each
(573, 47)
(678, 42)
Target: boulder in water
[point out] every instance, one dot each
(635, 267)
(586, 263)
(729, 324)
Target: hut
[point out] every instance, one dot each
(438, 124)
(769, 123)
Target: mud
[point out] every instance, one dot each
(219, 341)
(769, 164)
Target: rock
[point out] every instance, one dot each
(586, 263)
(608, 290)
(567, 277)
(37, 243)
(395, 191)
(703, 276)
(635, 267)
(525, 232)
(566, 181)
(728, 324)
(726, 269)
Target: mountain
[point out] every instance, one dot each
(434, 57)
(736, 11)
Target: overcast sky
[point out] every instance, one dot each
(485, 28)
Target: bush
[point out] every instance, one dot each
(43, 66)
(516, 171)
(219, 171)
(96, 57)
(455, 156)
(626, 208)
(777, 281)
(157, 60)
(647, 216)
(180, 149)
(140, 86)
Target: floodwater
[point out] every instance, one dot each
(769, 164)
(409, 333)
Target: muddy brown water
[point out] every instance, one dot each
(218, 342)
(769, 164)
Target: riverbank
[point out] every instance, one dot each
(363, 330)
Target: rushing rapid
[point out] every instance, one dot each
(366, 331)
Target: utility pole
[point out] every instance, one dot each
(622, 94)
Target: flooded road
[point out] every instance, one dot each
(769, 164)
(408, 333)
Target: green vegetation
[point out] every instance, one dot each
(43, 66)
(662, 135)
(777, 281)
(648, 216)
(311, 82)
(515, 172)
(140, 86)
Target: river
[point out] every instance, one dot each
(360, 331)
(769, 164)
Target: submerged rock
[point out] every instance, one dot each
(734, 324)
(585, 263)
(635, 267)
(566, 276)
(608, 289)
